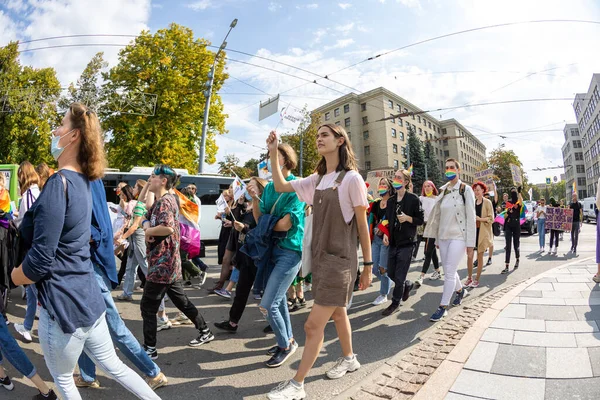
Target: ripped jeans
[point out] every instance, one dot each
(274, 301)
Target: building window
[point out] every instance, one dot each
(393, 132)
(367, 150)
(446, 153)
(401, 135)
(391, 104)
(346, 108)
(404, 151)
(399, 107)
(444, 132)
(578, 156)
(347, 122)
(336, 112)
(418, 119)
(576, 144)
(365, 120)
(363, 107)
(581, 182)
(400, 121)
(338, 123)
(327, 116)
(429, 125)
(420, 131)
(365, 135)
(367, 165)
(395, 148)
(349, 135)
(580, 169)
(396, 164)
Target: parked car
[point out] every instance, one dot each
(530, 224)
(589, 209)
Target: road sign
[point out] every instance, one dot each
(555, 179)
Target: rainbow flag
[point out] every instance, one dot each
(574, 187)
(410, 169)
(502, 216)
(187, 208)
(5, 204)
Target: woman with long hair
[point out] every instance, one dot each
(338, 195)
(379, 250)
(428, 198)
(484, 217)
(72, 317)
(44, 173)
(30, 191)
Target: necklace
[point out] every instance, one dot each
(326, 186)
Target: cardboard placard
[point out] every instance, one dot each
(560, 219)
(485, 175)
(517, 175)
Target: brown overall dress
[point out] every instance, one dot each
(334, 248)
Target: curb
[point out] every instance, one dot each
(441, 381)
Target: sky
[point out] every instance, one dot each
(543, 60)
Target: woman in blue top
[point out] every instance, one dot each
(58, 229)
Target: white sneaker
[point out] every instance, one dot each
(435, 275)
(181, 319)
(23, 332)
(287, 391)
(380, 300)
(550, 250)
(306, 287)
(342, 366)
(163, 324)
(419, 282)
(541, 249)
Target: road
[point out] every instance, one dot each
(231, 367)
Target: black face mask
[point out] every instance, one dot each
(514, 197)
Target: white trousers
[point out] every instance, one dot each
(451, 254)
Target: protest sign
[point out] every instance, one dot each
(517, 176)
(560, 219)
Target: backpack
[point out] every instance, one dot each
(461, 190)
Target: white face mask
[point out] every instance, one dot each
(54, 149)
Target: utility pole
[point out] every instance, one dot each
(207, 94)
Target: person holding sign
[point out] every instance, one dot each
(338, 195)
(512, 227)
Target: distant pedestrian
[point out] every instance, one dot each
(484, 216)
(576, 226)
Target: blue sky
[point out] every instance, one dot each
(543, 60)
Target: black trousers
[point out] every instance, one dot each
(243, 288)
(398, 265)
(554, 236)
(430, 255)
(417, 244)
(512, 235)
(123, 258)
(153, 295)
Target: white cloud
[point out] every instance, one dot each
(345, 28)
(273, 6)
(344, 6)
(312, 6)
(199, 5)
(157, 5)
(340, 44)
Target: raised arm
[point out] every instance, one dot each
(281, 185)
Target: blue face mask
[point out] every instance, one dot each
(269, 166)
(54, 149)
(248, 197)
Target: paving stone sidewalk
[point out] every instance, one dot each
(543, 343)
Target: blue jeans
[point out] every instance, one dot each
(274, 300)
(235, 275)
(121, 336)
(136, 258)
(13, 353)
(61, 351)
(542, 231)
(380, 259)
(31, 307)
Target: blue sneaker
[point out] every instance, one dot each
(459, 297)
(439, 314)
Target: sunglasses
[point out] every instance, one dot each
(164, 170)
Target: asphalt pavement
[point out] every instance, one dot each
(232, 366)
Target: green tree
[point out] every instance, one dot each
(307, 131)
(174, 66)
(417, 159)
(434, 173)
(231, 165)
(252, 165)
(499, 161)
(27, 109)
(87, 91)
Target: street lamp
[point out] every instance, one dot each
(207, 94)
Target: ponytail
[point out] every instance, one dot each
(91, 156)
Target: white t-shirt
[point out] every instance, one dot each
(427, 203)
(352, 192)
(542, 211)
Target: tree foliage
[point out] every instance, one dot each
(417, 159)
(499, 161)
(307, 131)
(434, 173)
(231, 165)
(27, 109)
(174, 66)
(88, 91)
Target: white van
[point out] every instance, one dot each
(589, 209)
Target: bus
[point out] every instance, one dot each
(209, 188)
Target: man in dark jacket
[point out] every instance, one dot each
(404, 215)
